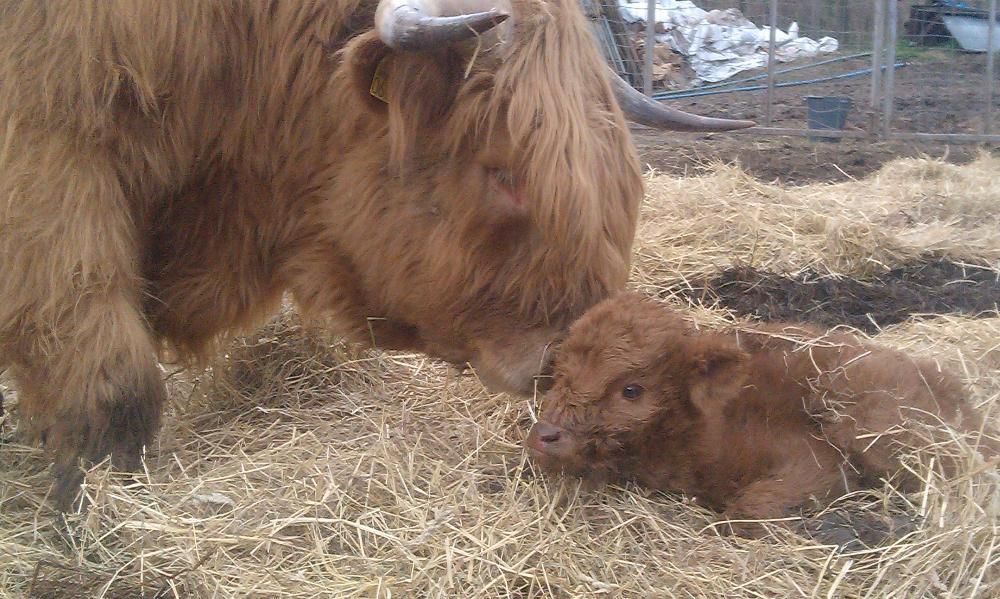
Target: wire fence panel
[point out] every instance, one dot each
(855, 68)
(850, 21)
(946, 87)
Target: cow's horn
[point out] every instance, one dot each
(417, 24)
(647, 111)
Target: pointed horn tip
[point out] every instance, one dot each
(736, 124)
(704, 124)
(489, 19)
(644, 110)
(410, 30)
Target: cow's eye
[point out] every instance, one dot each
(632, 391)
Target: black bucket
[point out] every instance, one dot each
(827, 112)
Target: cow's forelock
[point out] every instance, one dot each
(548, 100)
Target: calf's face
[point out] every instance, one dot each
(631, 376)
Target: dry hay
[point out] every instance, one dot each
(298, 467)
(908, 209)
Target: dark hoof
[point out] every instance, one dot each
(853, 531)
(66, 486)
(120, 429)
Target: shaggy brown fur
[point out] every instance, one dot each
(169, 168)
(753, 423)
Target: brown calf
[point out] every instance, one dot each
(753, 423)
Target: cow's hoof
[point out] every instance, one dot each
(120, 429)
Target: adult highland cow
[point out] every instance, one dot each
(430, 174)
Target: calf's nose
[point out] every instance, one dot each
(547, 433)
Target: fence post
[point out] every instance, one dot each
(890, 68)
(878, 45)
(647, 58)
(990, 50)
(770, 64)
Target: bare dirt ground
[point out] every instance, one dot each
(787, 160)
(938, 92)
(928, 287)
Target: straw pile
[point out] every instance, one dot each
(300, 467)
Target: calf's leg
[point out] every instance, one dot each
(804, 478)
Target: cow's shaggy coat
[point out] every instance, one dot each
(168, 169)
(755, 423)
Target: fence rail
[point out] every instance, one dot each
(903, 66)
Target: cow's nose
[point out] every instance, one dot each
(548, 433)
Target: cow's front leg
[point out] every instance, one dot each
(71, 325)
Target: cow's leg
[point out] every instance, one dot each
(83, 356)
(116, 413)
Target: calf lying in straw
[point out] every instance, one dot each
(754, 423)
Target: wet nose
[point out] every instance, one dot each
(547, 433)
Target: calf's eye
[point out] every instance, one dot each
(632, 391)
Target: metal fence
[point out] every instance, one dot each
(901, 66)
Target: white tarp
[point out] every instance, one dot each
(973, 34)
(721, 43)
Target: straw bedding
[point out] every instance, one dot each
(300, 467)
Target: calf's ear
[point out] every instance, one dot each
(717, 372)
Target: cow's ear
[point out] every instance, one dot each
(716, 371)
(417, 86)
(412, 91)
(363, 57)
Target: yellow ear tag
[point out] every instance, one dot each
(380, 79)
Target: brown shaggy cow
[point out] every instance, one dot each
(754, 423)
(422, 176)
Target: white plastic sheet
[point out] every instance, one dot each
(721, 43)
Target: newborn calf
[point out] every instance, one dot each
(752, 423)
